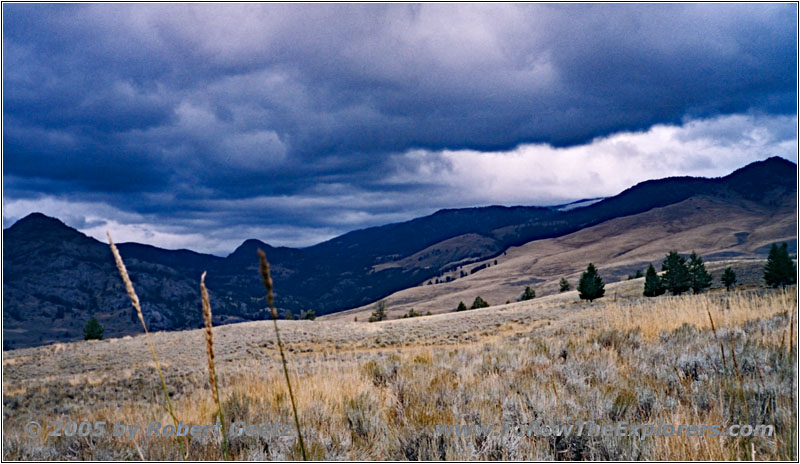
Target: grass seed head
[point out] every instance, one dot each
(267, 279)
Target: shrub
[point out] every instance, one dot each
(411, 313)
(308, 315)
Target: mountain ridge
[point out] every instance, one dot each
(347, 271)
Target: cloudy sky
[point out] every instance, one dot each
(200, 126)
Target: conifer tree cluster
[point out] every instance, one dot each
(679, 276)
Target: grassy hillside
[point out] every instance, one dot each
(376, 391)
(715, 229)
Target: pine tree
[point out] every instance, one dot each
(93, 330)
(676, 276)
(380, 312)
(652, 283)
(563, 285)
(479, 303)
(308, 315)
(288, 315)
(638, 274)
(728, 278)
(528, 294)
(461, 306)
(591, 286)
(780, 270)
(698, 274)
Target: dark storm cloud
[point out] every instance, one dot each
(170, 111)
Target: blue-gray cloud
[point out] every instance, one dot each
(177, 112)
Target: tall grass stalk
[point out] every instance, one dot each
(212, 372)
(267, 279)
(721, 346)
(138, 307)
(739, 377)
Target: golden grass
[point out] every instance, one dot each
(123, 272)
(653, 316)
(267, 280)
(635, 359)
(212, 372)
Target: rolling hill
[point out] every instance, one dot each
(724, 233)
(56, 278)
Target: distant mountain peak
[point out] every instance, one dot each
(772, 166)
(250, 246)
(777, 159)
(39, 221)
(773, 162)
(757, 179)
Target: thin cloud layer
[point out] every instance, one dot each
(202, 125)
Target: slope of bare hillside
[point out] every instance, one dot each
(718, 230)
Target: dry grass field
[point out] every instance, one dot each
(377, 390)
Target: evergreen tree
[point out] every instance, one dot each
(728, 278)
(528, 294)
(700, 278)
(288, 315)
(308, 315)
(676, 276)
(637, 275)
(563, 285)
(652, 283)
(411, 313)
(780, 270)
(93, 330)
(590, 286)
(380, 312)
(461, 306)
(479, 303)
